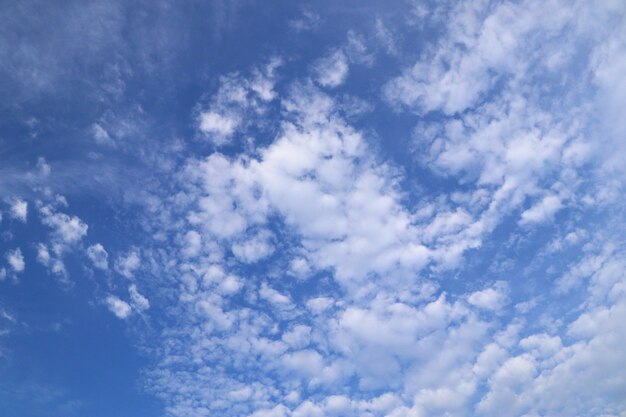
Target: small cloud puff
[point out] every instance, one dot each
(120, 308)
(332, 70)
(254, 249)
(68, 229)
(101, 136)
(138, 301)
(220, 125)
(493, 298)
(16, 260)
(128, 264)
(98, 256)
(19, 210)
(542, 211)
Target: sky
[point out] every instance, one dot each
(239, 208)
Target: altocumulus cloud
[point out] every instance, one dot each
(412, 211)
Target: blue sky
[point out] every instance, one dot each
(310, 209)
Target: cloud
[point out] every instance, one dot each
(309, 21)
(236, 98)
(255, 248)
(101, 136)
(304, 278)
(385, 37)
(120, 308)
(19, 210)
(138, 301)
(67, 232)
(542, 211)
(332, 70)
(16, 260)
(193, 244)
(67, 229)
(127, 264)
(493, 298)
(482, 46)
(52, 261)
(43, 167)
(217, 124)
(98, 256)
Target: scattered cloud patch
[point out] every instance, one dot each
(120, 308)
(19, 210)
(127, 264)
(332, 70)
(98, 256)
(15, 260)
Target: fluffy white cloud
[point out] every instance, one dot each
(127, 264)
(67, 229)
(101, 136)
(19, 210)
(193, 244)
(137, 300)
(373, 337)
(493, 298)
(332, 70)
(98, 256)
(237, 97)
(43, 167)
(218, 124)
(120, 308)
(16, 260)
(255, 248)
(53, 260)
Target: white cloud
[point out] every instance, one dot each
(385, 37)
(332, 70)
(43, 166)
(372, 323)
(127, 264)
(221, 125)
(300, 267)
(16, 260)
(236, 98)
(309, 21)
(274, 297)
(98, 256)
(298, 337)
(542, 211)
(493, 298)
(255, 248)
(52, 261)
(19, 210)
(68, 229)
(483, 45)
(319, 304)
(306, 362)
(278, 411)
(193, 244)
(230, 285)
(138, 301)
(101, 136)
(120, 308)
(43, 254)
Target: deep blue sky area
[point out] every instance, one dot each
(239, 208)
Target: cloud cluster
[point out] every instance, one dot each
(296, 271)
(339, 317)
(237, 98)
